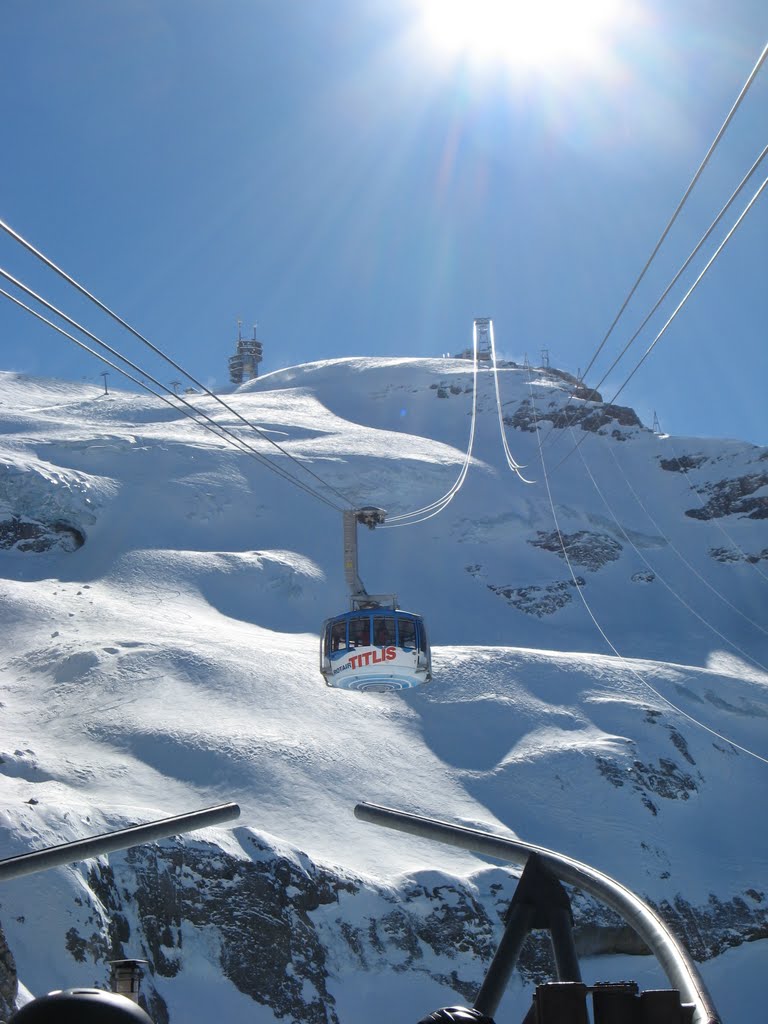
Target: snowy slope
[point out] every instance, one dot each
(170, 662)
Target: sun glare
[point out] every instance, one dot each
(523, 34)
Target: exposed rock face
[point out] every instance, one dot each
(539, 601)
(683, 463)
(643, 576)
(26, 534)
(258, 910)
(718, 925)
(282, 927)
(9, 986)
(733, 497)
(734, 555)
(585, 548)
(592, 416)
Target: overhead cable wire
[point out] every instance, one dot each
(680, 305)
(744, 90)
(737, 103)
(672, 283)
(419, 515)
(685, 265)
(601, 631)
(680, 555)
(107, 362)
(218, 428)
(163, 355)
(715, 521)
(187, 408)
(678, 597)
(515, 466)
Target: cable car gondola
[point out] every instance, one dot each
(375, 647)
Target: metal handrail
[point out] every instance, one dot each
(109, 842)
(673, 958)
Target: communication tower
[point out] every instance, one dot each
(244, 364)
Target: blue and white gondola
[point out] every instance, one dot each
(375, 650)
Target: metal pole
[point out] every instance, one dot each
(109, 842)
(673, 958)
(504, 960)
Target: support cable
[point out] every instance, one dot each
(670, 588)
(745, 89)
(679, 553)
(137, 334)
(715, 521)
(188, 408)
(680, 305)
(515, 466)
(419, 515)
(601, 631)
(734, 195)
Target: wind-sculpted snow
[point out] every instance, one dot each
(170, 662)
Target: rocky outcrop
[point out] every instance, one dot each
(585, 548)
(709, 930)
(9, 986)
(736, 555)
(280, 928)
(539, 601)
(25, 534)
(733, 497)
(591, 416)
(683, 463)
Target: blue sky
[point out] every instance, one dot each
(324, 168)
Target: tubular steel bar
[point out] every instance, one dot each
(109, 842)
(673, 958)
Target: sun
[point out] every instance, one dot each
(524, 34)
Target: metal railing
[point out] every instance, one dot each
(672, 957)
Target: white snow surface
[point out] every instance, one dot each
(171, 662)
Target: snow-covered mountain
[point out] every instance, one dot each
(161, 595)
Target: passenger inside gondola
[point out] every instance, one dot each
(338, 636)
(407, 629)
(360, 632)
(384, 631)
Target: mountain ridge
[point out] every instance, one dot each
(171, 659)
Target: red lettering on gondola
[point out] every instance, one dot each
(372, 657)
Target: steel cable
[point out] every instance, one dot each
(137, 334)
(744, 90)
(678, 308)
(601, 631)
(734, 195)
(428, 511)
(188, 409)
